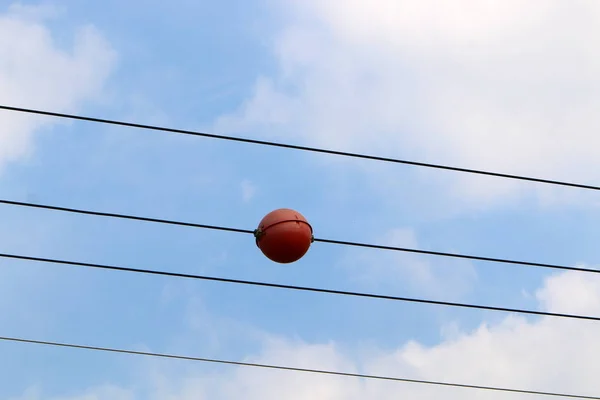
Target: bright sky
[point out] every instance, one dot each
(507, 85)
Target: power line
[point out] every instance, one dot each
(457, 255)
(293, 369)
(328, 241)
(297, 147)
(122, 216)
(294, 287)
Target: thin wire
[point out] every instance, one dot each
(294, 287)
(297, 147)
(328, 241)
(294, 369)
(122, 216)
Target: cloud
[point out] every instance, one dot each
(515, 352)
(567, 292)
(36, 73)
(248, 190)
(411, 272)
(548, 354)
(500, 85)
(105, 392)
(35, 12)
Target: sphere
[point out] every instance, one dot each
(284, 235)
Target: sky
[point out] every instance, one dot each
(508, 86)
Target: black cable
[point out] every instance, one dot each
(294, 369)
(329, 241)
(294, 287)
(297, 147)
(121, 216)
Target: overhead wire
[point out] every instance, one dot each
(295, 369)
(321, 240)
(330, 241)
(296, 287)
(298, 147)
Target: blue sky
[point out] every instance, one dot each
(295, 73)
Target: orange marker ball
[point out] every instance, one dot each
(284, 235)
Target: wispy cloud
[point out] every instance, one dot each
(40, 74)
(393, 270)
(513, 352)
(486, 86)
(248, 190)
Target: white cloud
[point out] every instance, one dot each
(105, 392)
(248, 190)
(36, 73)
(505, 85)
(35, 12)
(410, 271)
(564, 293)
(548, 354)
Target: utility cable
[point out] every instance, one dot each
(328, 241)
(294, 287)
(293, 369)
(297, 147)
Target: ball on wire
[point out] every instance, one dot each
(284, 235)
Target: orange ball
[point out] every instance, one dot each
(284, 235)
